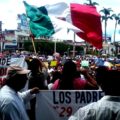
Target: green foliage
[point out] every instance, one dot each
(47, 47)
(91, 3)
(106, 11)
(106, 14)
(105, 17)
(92, 52)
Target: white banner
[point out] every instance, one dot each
(6, 61)
(59, 105)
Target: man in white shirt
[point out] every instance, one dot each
(107, 108)
(11, 101)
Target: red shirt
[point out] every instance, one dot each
(78, 84)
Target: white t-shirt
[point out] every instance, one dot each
(12, 104)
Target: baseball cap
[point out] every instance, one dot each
(15, 69)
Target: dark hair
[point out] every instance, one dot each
(55, 75)
(101, 74)
(68, 75)
(35, 65)
(108, 80)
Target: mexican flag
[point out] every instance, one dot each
(84, 20)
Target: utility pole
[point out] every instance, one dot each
(74, 47)
(1, 38)
(55, 46)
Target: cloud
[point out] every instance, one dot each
(10, 9)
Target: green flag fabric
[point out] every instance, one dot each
(43, 24)
(40, 24)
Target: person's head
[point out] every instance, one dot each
(35, 65)
(101, 74)
(55, 75)
(68, 75)
(16, 77)
(69, 68)
(108, 80)
(58, 67)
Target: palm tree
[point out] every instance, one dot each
(117, 21)
(91, 3)
(105, 17)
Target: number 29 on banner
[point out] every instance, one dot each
(63, 111)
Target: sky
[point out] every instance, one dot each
(10, 9)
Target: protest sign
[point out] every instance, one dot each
(60, 105)
(53, 63)
(5, 62)
(85, 63)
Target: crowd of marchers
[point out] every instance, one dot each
(58, 72)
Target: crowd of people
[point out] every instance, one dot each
(80, 73)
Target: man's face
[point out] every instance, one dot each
(21, 81)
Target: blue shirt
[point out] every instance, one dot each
(12, 105)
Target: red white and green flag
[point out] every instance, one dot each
(84, 20)
(43, 24)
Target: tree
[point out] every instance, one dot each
(47, 47)
(117, 21)
(105, 17)
(91, 3)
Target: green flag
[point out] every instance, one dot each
(40, 24)
(43, 24)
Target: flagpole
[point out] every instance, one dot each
(55, 46)
(1, 37)
(32, 37)
(74, 47)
